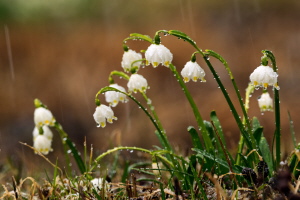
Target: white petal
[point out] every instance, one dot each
(158, 54)
(129, 57)
(43, 116)
(46, 132)
(137, 83)
(42, 144)
(103, 113)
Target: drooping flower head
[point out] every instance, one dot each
(263, 76)
(113, 97)
(42, 144)
(98, 183)
(128, 61)
(46, 132)
(158, 54)
(137, 83)
(43, 116)
(265, 102)
(102, 114)
(192, 71)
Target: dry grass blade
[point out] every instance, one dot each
(40, 154)
(239, 189)
(220, 192)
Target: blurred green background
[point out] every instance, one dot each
(62, 51)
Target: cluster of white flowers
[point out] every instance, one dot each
(156, 54)
(42, 135)
(264, 76)
(131, 62)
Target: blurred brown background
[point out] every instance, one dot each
(63, 51)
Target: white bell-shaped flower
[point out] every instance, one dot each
(98, 183)
(128, 61)
(192, 71)
(158, 53)
(137, 83)
(43, 116)
(46, 132)
(265, 102)
(113, 97)
(263, 76)
(102, 114)
(42, 144)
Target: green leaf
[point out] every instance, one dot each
(258, 134)
(244, 161)
(266, 153)
(139, 36)
(209, 141)
(195, 137)
(55, 174)
(215, 120)
(255, 123)
(215, 160)
(125, 172)
(294, 163)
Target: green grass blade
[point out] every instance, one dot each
(76, 156)
(74, 151)
(292, 130)
(125, 172)
(195, 138)
(55, 174)
(216, 122)
(223, 163)
(258, 134)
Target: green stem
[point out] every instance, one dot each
(151, 107)
(117, 73)
(194, 107)
(68, 143)
(249, 91)
(277, 133)
(97, 160)
(222, 60)
(249, 139)
(165, 143)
